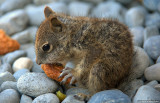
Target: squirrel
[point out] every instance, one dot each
(100, 48)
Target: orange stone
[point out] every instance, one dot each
(53, 71)
(7, 44)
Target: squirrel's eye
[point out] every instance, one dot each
(46, 47)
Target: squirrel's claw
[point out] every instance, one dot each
(64, 72)
(65, 78)
(72, 80)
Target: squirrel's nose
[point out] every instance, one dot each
(38, 61)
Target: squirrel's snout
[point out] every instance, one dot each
(38, 61)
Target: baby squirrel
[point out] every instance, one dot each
(101, 49)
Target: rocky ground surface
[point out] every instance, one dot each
(23, 81)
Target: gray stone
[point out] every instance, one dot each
(152, 72)
(91, 1)
(25, 46)
(25, 99)
(9, 85)
(150, 31)
(158, 60)
(135, 16)
(11, 57)
(6, 67)
(35, 84)
(125, 1)
(6, 76)
(153, 19)
(110, 96)
(71, 99)
(109, 9)
(9, 96)
(140, 63)
(31, 51)
(157, 87)
(79, 8)
(36, 68)
(146, 94)
(130, 88)
(152, 83)
(9, 5)
(42, 2)
(138, 34)
(36, 15)
(1, 1)
(151, 4)
(25, 36)
(46, 98)
(20, 72)
(14, 21)
(151, 46)
(151, 61)
(76, 90)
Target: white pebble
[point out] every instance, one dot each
(22, 63)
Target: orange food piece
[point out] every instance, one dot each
(7, 44)
(53, 71)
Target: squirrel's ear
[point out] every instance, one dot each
(56, 24)
(48, 11)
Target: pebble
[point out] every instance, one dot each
(150, 31)
(158, 60)
(151, 46)
(79, 8)
(9, 85)
(9, 96)
(157, 87)
(14, 21)
(93, 1)
(23, 62)
(125, 1)
(152, 83)
(141, 62)
(36, 15)
(36, 67)
(42, 2)
(6, 76)
(35, 84)
(11, 57)
(109, 9)
(135, 16)
(116, 96)
(71, 99)
(131, 87)
(76, 90)
(20, 72)
(1, 1)
(6, 67)
(9, 5)
(46, 98)
(26, 36)
(146, 94)
(25, 99)
(31, 51)
(138, 34)
(153, 19)
(152, 72)
(151, 4)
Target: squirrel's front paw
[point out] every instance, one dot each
(66, 73)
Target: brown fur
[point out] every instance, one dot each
(102, 49)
